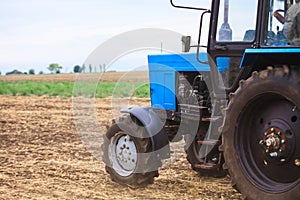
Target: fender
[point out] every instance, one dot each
(154, 127)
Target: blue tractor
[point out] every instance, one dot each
(236, 106)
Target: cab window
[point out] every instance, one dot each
(237, 20)
(283, 28)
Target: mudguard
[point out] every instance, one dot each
(154, 126)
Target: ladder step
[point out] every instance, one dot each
(207, 166)
(209, 142)
(211, 119)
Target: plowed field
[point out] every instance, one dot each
(42, 156)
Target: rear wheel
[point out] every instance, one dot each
(127, 153)
(261, 134)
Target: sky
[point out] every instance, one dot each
(35, 33)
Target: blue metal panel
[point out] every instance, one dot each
(271, 56)
(180, 62)
(162, 88)
(273, 50)
(162, 73)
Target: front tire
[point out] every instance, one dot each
(127, 153)
(261, 135)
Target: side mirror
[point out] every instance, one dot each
(186, 43)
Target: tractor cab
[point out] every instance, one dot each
(244, 32)
(252, 34)
(260, 23)
(238, 25)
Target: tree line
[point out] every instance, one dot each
(90, 69)
(56, 68)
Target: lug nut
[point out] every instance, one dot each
(297, 162)
(261, 142)
(274, 154)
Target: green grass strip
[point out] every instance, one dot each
(68, 89)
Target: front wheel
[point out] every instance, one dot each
(127, 153)
(261, 135)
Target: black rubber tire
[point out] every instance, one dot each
(278, 86)
(147, 165)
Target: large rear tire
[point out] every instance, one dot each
(261, 135)
(127, 153)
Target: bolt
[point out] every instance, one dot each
(274, 154)
(272, 129)
(297, 162)
(282, 160)
(265, 162)
(266, 133)
(282, 141)
(261, 142)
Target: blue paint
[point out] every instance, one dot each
(162, 74)
(273, 50)
(270, 56)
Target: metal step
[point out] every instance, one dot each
(207, 166)
(210, 119)
(210, 142)
(192, 106)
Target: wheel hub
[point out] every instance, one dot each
(274, 142)
(123, 154)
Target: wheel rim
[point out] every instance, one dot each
(265, 141)
(123, 154)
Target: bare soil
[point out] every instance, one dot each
(42, 156)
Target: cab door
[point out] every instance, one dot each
(233, 29)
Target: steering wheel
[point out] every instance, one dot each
(279, 16)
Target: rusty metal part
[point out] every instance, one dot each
(274, 142)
